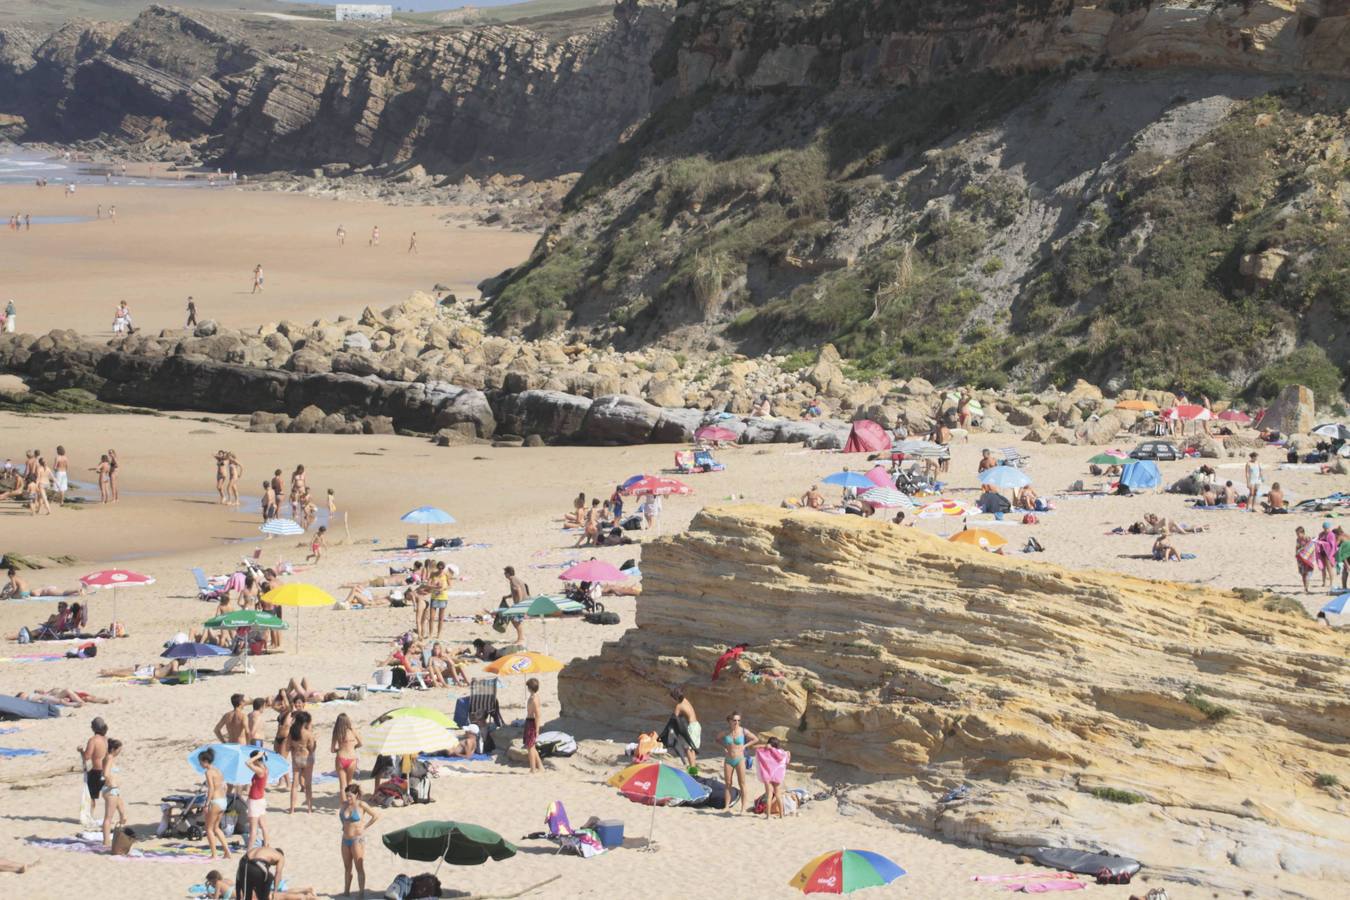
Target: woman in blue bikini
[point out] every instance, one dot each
(736, 741)
(351, 813)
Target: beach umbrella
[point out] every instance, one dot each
(1005, 477)
(919, 449)
(281, 527)
(232, 761)
(658, 785)
(655, 484)
(849, 480)
(979, 537)
(939, 509)
(1333, 430)
(541, 608)
(419, 712)
(1235, 415)
(888, 498)
(524, 663)
(880, 476)
(715, 433)
(408, 735)
(845, 871)
(428, 516)
(1336, 605)
(1189, 412)
(1110, 458)
(592, 570)
(458, 843)
(1138, 405)
(298, 595)
(112, 579)
(246, 618)
(1140, 474)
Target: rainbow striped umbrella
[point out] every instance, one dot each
(843, 871)
(942, 508)
(657, 785)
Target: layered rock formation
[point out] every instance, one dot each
(1171, 722)
(246, 93)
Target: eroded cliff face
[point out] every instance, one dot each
(905, 665)
(252, 95)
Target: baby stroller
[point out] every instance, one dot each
(912, 481)
(182, 815)
(581, 594)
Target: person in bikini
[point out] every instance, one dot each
(300, 746)
(112, 793)
(216, 801)
(352, 814)
(345, 744)
(736, 742)
(222, 473)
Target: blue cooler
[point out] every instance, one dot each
(610, 833)
(414, 541)
(461, 716)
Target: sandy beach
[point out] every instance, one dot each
(169, 243)
(507, 502)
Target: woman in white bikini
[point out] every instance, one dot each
(300, 744)
(112, 792)
(215, 803)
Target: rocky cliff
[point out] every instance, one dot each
(247, 93)
(1174, 723)
(1146, 194)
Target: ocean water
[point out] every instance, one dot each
(19, 166)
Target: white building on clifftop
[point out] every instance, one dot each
(364, 12)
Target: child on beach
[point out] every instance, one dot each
(316, 547)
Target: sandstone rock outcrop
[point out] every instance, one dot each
(907, 665)
(1292, 412)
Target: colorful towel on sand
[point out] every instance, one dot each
(1022, 876)
(75, 845)
(1046, 887)
(446, 760)
(10, 752)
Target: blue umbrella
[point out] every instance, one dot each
(194, 651)
(232, 761)
(428, 516)
(1337, 605)
(1141, 474)
(850, 480)
(281, 526)
(1005, 477)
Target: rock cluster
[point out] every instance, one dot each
(1174, 723)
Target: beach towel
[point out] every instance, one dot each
(772, 767)
(77, 845)
(450, 760)
(14, 708)
(9, 752)
(1046, 887)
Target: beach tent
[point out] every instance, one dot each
(1141, 475)
(14, 708)
(867, 437)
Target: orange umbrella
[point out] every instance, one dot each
(979, 537)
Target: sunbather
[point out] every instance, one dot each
(301, 690)
(1163, 551)
(60, 696)
(468, 745)
(147, 670)
(445, 668)
(16, 868)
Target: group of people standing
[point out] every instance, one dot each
(1328, 552)
(37, 479)
(602, 523)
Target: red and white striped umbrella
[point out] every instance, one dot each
(654, 484)
(1188, 412)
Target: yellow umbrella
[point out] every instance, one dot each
(1138, 405)
(407, 736)
(418, 712)
(524, 664)
(298, 595)
(979, 537)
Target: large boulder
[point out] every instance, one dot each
(1102, 430)
(554, 415)
(667, 392)
(620, 419)
(456, 405)
(1292, 412)
(676, 426)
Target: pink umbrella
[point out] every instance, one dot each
(654, 484)
(592, 570)
(880, 477)
(715, 433)
(115, 578)
(1235, 415)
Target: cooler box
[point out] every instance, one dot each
(414, 541)
(610, 833)
(461, 716)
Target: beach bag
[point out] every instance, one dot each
(632, 523)
(424, 885)
(398, 888)
(398, 677)
(556, 743)
(419, 783)
(1030, 519)
(603, 618)
(24, 636)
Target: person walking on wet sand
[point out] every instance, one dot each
(112, 214)
(257, 279)
(375, 236)
(113, 467)
(61, 473)
(191, 314)
(102, 469)
(341, 236)
(412, 243)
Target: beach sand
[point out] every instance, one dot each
(170, 243)
(510, 500)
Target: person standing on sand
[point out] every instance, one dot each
(61, 473)
(191, 314)
(684, 728)
(11, 320)
(257, 801)
(300, 746)
(651, 511)
(1305, 554)
(40, 481)
(374, 236)
(736, 742)
(113, 467)
(102, 470)
(216, 801)
(341, 236)
(98, 213)
(112, 793)
(234, 470)
(233, 726)
(253, 734)
(351, 813)
(257, 279)
(533, 716)
(222, 473)
(1328, 544)
(112, 213)
(412, 243)
(1253, 473)
(93, 755)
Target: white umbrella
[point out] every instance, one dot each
(406, 735)
(281, 526)
(888, 498)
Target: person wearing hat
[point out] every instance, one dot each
(468, 746)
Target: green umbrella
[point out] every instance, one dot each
(245, 618)
(458, 843)
(1109, 459)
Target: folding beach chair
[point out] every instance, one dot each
(205, 589)
(483, 704)
(1011, 456)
